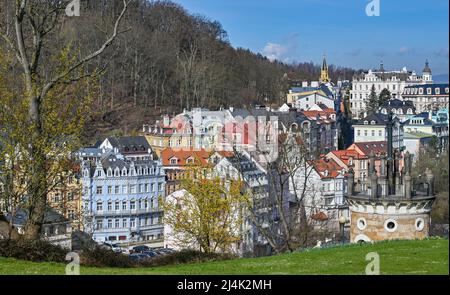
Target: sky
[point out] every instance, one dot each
(405, 34)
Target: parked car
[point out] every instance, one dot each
(140, 249)
(137, 257)
(167, 250)
(113, 247)
(150, 253)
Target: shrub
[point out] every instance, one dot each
(100, 257)
(185, 256)
(32, 250)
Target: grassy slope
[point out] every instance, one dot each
(399, 257)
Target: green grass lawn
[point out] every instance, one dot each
(397, 257)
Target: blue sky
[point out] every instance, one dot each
(405, 34)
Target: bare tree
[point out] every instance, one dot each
(34, 22)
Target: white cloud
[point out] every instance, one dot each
(284, 51)
(274, 51)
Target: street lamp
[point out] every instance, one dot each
(342, 222)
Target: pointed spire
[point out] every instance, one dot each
(381, 66)
(427, 68)
(324, 71)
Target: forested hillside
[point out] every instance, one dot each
(166, 59)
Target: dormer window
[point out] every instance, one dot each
(190, 160)
(437, 91)
(428, 90)
(409, 111)
(173, 161)
(109, 172)
(325, 173)
(420, 90)
(446, 90)
(116, 172)
(366, 122)
(124, 172)
(373, 123)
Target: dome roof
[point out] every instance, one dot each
(427, 68)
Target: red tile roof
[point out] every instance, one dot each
(323, 164)
(378, 147)
(200, 157)
(345, 155)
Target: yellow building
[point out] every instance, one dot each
(66, 200)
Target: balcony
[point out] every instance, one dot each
(125, 212)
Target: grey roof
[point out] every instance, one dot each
(51, 216)
(379, 118)
(433, 87)
(398, 104)
(130, 143)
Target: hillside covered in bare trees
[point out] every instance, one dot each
(166, 59)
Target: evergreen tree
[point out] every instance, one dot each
(372, 102)
(385, 95)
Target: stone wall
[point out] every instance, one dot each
(376, 227)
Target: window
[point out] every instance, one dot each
(390, 225)
(142, 222)
(380, 133)
(70, 196)
(145, 203)
(160, 186)
(132, 223)
(99, 190)
(109, 206)
(124, 189)
(109, 189)
(420, 224)
(141, 188)
(99, 224)
(132, 189)
(109, 223)
(428, 90)
(109, 173)
(99, 206)
(71, 214)
(132, 205)
(437, 91)
(117, 223)
(146, 188)
(373, 133)
(124, 223)
(358, 132)
(365, 132)
(361, 223)
(117, 206)
(124, 205)
(116, 190)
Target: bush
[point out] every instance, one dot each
(100, 257)
(185, 256)
(32, 250)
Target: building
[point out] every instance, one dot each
(423, 123)
(241, 166)
(394, 81)
(177, 162)
(326, 121)
(66, 198)
(322, 194)
(121, 193)
(417, 141)
(306, 100)
(394, 206)
(373, 128)
(324, 78)
(403, 109)
(427, 97)
(56, 229)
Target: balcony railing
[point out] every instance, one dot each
(125, 212)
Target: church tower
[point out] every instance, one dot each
(426, 73)
(324, 72)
